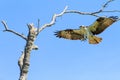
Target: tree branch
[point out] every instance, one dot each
(94, 13)
(112, 11)
(103, 7)
(78, 12)
(53, 20)
(82, 13)
(9, 30)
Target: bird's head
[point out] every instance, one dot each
(83, 27)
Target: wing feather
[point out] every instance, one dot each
(72, 34)
(101, 24)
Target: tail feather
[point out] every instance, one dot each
(94, 39)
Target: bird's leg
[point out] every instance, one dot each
(84, 37)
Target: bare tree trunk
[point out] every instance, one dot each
(29, 46)
(24, 60)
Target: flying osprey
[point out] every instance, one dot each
(88, 32)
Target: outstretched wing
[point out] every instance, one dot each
(101, 24)
(72, 34)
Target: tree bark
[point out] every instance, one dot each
(28, 48)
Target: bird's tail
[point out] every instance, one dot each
(94, 39)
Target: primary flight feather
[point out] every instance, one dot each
(88, 32)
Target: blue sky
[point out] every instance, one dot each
(59, 59)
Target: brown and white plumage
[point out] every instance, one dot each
(72, 34)
(88, 32)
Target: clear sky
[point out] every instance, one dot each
(59, 59)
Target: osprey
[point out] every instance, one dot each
(88, 32)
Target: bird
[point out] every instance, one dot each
(88, 32)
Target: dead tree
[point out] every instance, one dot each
(24, 60)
